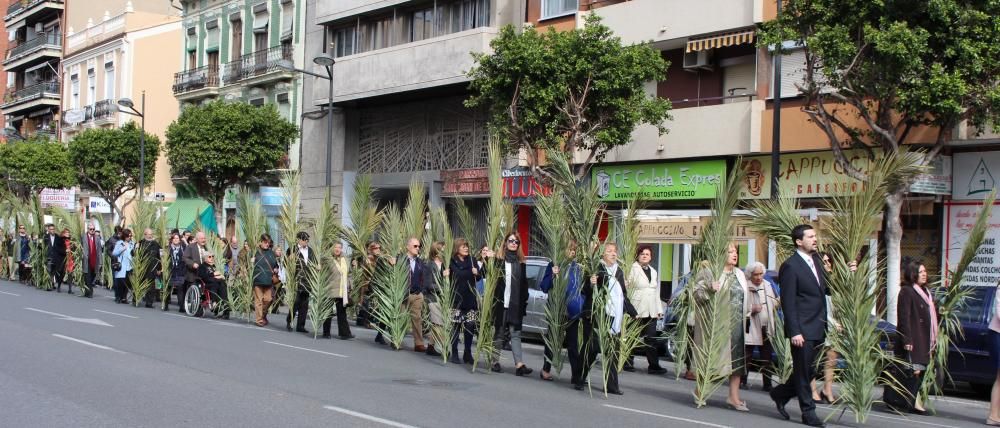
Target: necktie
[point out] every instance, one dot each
(812, 266)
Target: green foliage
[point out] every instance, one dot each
(567, 90)
(414, 215)
(551, 213)
(391, 281)
(290, 225)
(35, 164)
(445, 292)
(630, 338)
(107, 160)
(220, 144)
(319, 283)
(72, 221)
(365, 218)
(253, 223)
(466, 224)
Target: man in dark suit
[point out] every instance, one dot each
(415, 299)
(93, 249)
(49, 243)
(304, 258)
(194, 256)
(803, 300)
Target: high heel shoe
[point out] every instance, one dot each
(827, 399)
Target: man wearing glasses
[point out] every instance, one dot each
(415, 300)
(93, 248)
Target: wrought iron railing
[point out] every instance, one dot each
(51, 39)
(196, 78)
(257, 63)
(20, 6)
(31, 92)
(104, 109)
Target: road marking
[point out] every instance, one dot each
(84, 342)
(969, 403)
(643, 412)
(907, 420)
(307, 349)
(10, 294)
(93, 321)
(368, 417)
(115, 313)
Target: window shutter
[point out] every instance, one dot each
(738, 80)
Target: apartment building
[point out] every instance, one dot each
(114, 50)
(398, 86)
(31, 98)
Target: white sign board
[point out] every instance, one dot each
(63, 198)
(99, 206)
(974, 175)
(985, 267)
(937, 181)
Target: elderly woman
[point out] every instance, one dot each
(644, 293)
(763, 312)
(340, 292)
(734, 288)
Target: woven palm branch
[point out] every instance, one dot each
(500, 217)
(551, 215)
(714, 315)
(853, 297)
(446, 290)
(320, 285)
(391, 282)
(466, 224)
(630, 338)
(953, 298)
(290, 224)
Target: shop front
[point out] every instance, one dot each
(974, 179)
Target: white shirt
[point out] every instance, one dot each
(305, 253)
(809, 261)
(616, 300)
(413, 264)
(508, 269)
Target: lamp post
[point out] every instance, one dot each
(326, 62)
(127, 103)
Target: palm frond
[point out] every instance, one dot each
(500, 217)
(415, 213)
(391, 282)
(289, 222)
(466, 224)
(551, 214)
(446, 290)
(319, 282)
(630, 338)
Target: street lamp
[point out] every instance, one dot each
(325, 62)
(127, 103)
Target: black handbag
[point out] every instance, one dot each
(902, 396)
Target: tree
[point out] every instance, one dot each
(578, 90)
(107, 161)
(220, 144)
(876, 71)
(34, 164)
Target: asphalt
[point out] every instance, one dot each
(71, 361)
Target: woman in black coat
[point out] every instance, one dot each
(917, 327)
(215, 282)
(57, 257)
(510, 299)
(617, 307)
(465, 307)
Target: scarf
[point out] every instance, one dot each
(512, 275)
(933, 310)
(616, 299)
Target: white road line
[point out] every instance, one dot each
(115, 313)
(10, 294)
(368, 417)
(907, 420)
(84, 342)
(306, 349)
(47, 313)
(643, 412)
(969, 403)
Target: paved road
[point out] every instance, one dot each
(69, 361)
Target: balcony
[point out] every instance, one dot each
(259, 67)
(21, 10)
(196, 83)
(644, 21)
(327, 11)
(439, 61)
(105, 111)
(31, 97)
(715, 130)
(95, 34)
(34, 51)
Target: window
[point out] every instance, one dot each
(91, 86)
(192, 60)
(260, 41)
(287, 19)
(74, 102)
(284, 107)
(212, 35)
(213, 60)
(192, 38)
(376, 34)
(793, 73)
(109, 78)
(554, 8)
(257, 102)
(343, 40)
(419, 25)
(462, 15)
(237, 35)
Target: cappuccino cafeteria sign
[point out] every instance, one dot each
(659, 181)
(818, 175)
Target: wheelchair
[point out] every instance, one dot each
(197, 300)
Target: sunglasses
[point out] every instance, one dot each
(513, 241)
(417, 246)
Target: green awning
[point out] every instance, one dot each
(183, 214)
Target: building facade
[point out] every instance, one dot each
(116, 53)
(31, 102)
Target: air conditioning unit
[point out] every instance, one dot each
(698, 60)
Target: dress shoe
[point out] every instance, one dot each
(149, 305)
(348, 337)
(780, 405)
(919, 412)
(379, 340)
(496, 368)
(454, 359)
(657, 370)
(615, 392)
(579, 386)
(432, 352)
(467, 359)
(522, 371)
(766, 388)
(689, 375)
(420, 348)
(180, 309)
(301, 330)
(327, 336)
(813, 422)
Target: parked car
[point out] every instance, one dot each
(969, 356)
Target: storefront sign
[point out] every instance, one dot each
(683, 230)
(465, 182)
(99, 206)
(819, 175)
(985, 267)
(659, 181)
(229, 201)
(63, 198)
(975, 175)
(937, 181)
(272, 196)
(520, 187)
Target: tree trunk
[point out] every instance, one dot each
(893, 253)
(218, 209)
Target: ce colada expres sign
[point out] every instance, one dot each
(659, 181)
